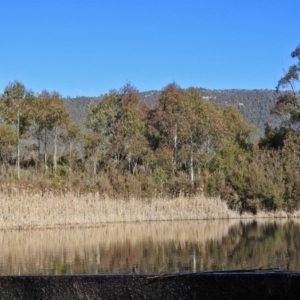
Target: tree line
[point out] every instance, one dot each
(254, 105)
(181, 145)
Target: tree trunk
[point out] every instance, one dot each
(18, 132)
(174, 158)
(45, 153)
(18, 160)
(55, 150)
(70, 157)
(192, 173)
(95, 164)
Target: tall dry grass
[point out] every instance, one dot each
(22, 210)
(25, 209)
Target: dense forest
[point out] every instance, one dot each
(173, 142)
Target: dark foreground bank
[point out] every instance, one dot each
(223, 285)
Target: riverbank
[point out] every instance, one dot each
(23, 210)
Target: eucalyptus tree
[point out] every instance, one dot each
(119, 118)
(190, 128)
(205, 133)
(288, 102)
(167, 122)
(131, 127)
(16, 108)
(288, 105)
(51, 117)
(237, 141)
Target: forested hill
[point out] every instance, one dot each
(254, 105)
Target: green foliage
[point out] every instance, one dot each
(58, 178)
(119, 118)
(237, 127)
(8, 142)
(62, 171)
(16, 106)
(274, 138)
(227, 157)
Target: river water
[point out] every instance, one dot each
(152, 247)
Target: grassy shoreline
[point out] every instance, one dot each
(22, 210)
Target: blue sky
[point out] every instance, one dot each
(87, 47)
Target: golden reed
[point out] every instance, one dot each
(22, 209)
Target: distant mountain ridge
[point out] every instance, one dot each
(254, 105)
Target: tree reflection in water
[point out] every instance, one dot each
(153, 247)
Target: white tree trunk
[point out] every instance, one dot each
(18, 132)
(55, 150)
(192, 172)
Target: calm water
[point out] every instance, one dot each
(157, 247)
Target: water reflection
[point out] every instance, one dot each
(154, 247)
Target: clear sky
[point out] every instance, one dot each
(87, 47)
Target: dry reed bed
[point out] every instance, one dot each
(20, 209)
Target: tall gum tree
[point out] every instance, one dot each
(288, 105)
(16, 108)
(205, 131)
(131, 126)
(119, 118)
(167, 122)
(51, 117)
(188, 126)
(288, 102)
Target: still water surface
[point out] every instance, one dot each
(154, 247)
